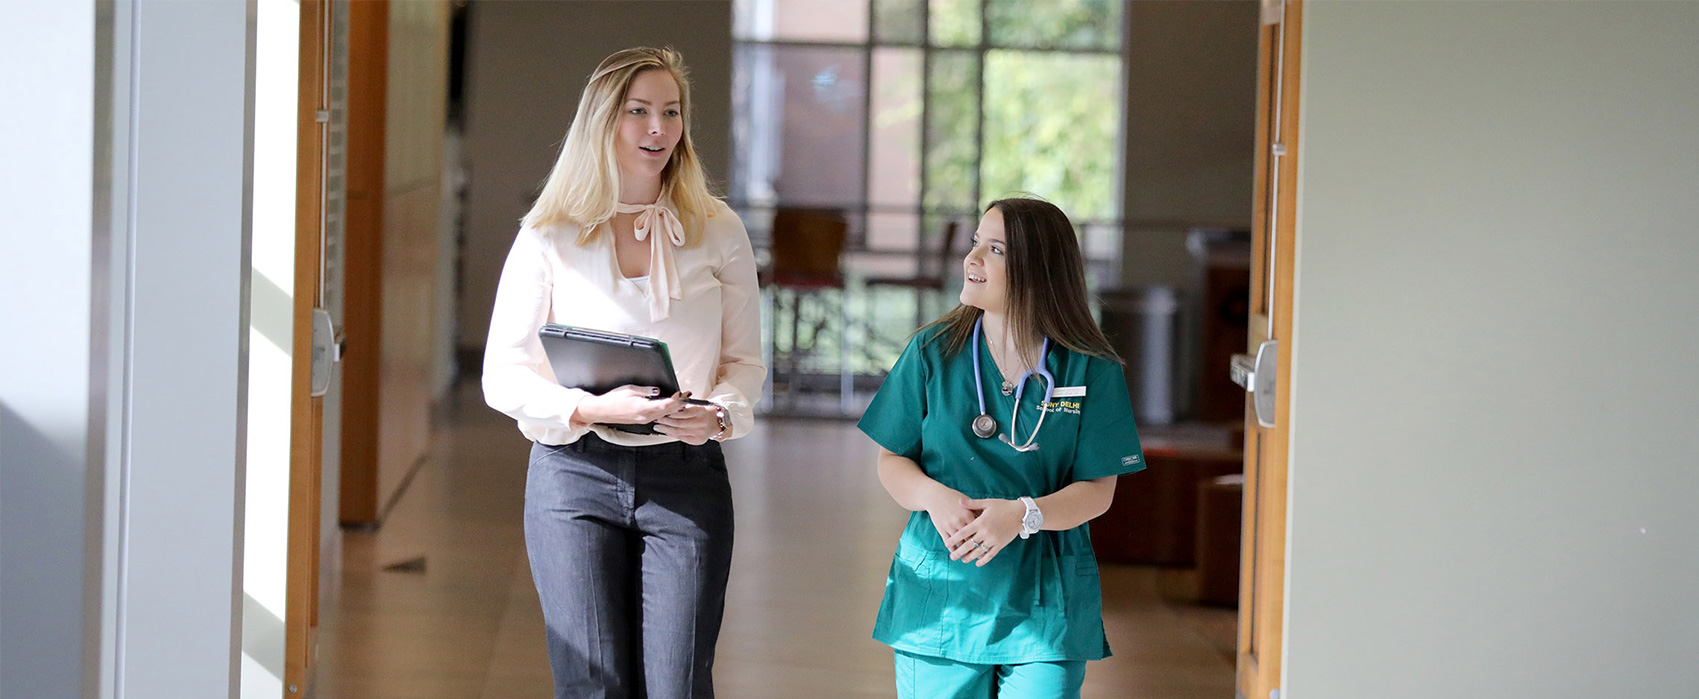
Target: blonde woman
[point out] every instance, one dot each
(630, 535)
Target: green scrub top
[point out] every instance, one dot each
(1039, 600)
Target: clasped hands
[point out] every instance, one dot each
(691, 423)
(975, 531)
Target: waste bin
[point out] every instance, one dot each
(1141, 323)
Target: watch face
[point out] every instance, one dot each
(1032, 520)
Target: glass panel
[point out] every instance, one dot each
(893, 177)
(800, 20)
(895, 231)
(952, 131)
(798, 127)
(899, 21)
(1065, 152)
(1064, 24)
(954, 22)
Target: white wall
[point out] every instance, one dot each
(184, 466)
(50, 432)
(1493, 428)
(527, 63)
(124, 289)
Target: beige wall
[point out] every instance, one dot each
(1493, 442)
(1191, 129)
(415, 112)
(526, 65)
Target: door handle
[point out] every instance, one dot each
(1256, 375)
(327, 351)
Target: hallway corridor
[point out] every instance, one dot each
(439, 602)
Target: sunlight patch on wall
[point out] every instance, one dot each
(271, 338)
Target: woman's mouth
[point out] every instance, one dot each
(975, 278)
(657, 150)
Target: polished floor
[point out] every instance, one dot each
(438, 603)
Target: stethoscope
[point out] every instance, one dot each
(984, 425)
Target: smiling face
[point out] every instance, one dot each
(985, 270)
(650, 125)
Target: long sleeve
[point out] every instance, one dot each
(517, 378)
(740, 372)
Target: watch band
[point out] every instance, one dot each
(1033, 519)
(725, 420)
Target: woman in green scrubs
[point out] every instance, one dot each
(1002, 429)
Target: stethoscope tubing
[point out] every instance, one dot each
(1020, 390)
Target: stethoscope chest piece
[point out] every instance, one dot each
(984, 426)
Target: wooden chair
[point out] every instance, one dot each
(930, 280)
(807, 264)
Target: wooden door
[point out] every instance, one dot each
(1262, 582)
(317, 344)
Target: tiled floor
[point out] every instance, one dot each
(815, 534)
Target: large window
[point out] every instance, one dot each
(905, 114)
(901, 111)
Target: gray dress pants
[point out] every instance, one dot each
(630, 548)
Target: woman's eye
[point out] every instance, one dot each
(672, 112)
(996, 249)
(638, 110)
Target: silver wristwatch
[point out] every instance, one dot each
(724, 420)
(1034, 518)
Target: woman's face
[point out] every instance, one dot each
(650, 125)
(985, 271)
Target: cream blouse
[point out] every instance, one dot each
(711, 323)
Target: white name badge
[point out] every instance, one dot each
(1069, 392)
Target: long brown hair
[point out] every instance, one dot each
(584, 184)
(1047, 295)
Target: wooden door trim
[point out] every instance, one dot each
(1263, 586)
(368, 90)
(306, 412)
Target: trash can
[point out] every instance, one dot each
(1142, 324)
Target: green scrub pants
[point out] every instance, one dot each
(925, 677)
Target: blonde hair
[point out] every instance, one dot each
(583, 187)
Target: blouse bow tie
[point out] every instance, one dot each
(660, 226)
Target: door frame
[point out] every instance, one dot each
(306, 437)
(1263, 555)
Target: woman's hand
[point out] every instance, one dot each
(997, 523)
(628, 405)
(691, 423)
(948, 514)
